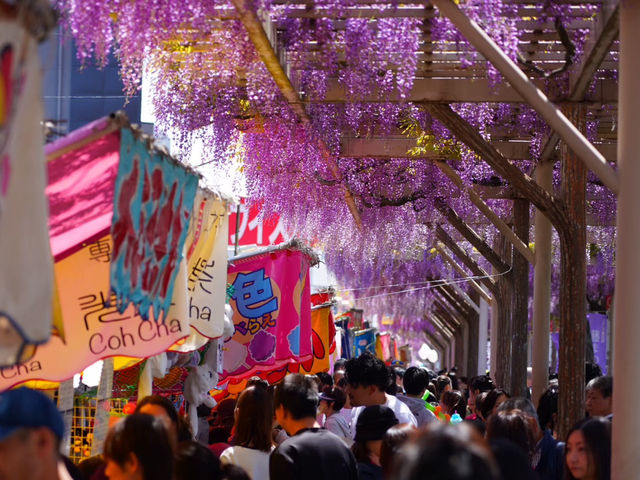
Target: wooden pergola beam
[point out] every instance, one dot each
(454, 90)
(471, 264)
(267, 53)
(524, 250)
(397, 146)
(457, 267)
(470, 235)
(605, 31)
(533, 96)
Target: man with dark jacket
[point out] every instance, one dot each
(310, 452)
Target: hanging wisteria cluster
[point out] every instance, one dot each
(211, 86)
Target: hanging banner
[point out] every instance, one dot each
(207, 281)
(383, 346)
(152, 206)
(346, 337)
(364, 340)
(253, 229)
(271, 312)
(323, 337)
(94, 327)
(598, 326)
(26, 266)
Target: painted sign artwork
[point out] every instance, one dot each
(94, 327)
(271, 312)
(152, 206)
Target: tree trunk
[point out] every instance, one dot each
(503, 282)
(520, 317)
(573, 281)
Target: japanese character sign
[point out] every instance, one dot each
(272, 312)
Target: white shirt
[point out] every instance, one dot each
(403, 414)
(254, 462)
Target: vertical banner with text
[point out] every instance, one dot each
(94, 328)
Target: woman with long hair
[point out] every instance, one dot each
(587, 452)
(252, 433)
(138, 448)
(371, 427)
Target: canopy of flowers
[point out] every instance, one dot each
(355, 65)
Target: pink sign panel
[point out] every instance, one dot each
(271, 304)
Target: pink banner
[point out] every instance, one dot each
(271, 311)
(80, 191)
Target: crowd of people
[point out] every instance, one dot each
(367, 421)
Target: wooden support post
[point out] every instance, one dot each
(520, 317)
(483, 328)
(626, 367)
(541, 291)
(573, 292)
(503, 341)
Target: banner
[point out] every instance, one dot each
(26, 266)
(207, 257)
(598, 326)
(323, 337)
(271, 312)
(94, 327)
(383, 346)
(364, 340)
(255, 230)
(152, 206)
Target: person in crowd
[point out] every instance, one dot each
(222, 420)
(91, 465)
(442, 384)
(161, 407)
(513, 462)
(491, 403)
(547, 455)
(392, 442)
(338, 370)
(373, 423)
(234, 472)
(399, 379)
(478, 385)
(511, 425)
(588, 450)
(138, 448)
(347, 410)
(453, 401)
(600, 397)
(453, 376)
(415, 382)
(311, 453)
(256, 381)
(332, 400)
(194, 461)
(548, 409)
(367, 379)
(252, 433)
(444, 452)
(326, 380)
(591, 370)
(31, 429)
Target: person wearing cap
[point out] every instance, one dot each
(373, 423)
(31, 429)
(311, 452)
(367, 379)
(332, 399)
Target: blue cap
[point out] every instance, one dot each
(26, 408)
